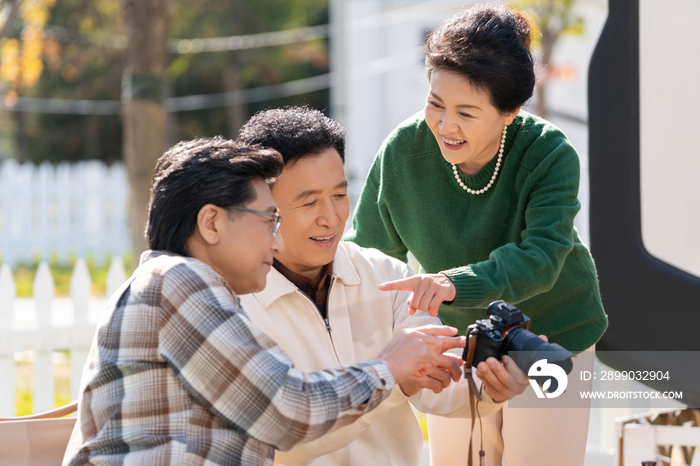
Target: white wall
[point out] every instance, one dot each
(378, 64)
(669, 63)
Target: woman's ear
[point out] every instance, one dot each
(209, 223)
(510, 116)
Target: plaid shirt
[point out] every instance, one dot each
(177, 374)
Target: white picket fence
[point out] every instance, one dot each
(45, 324)
(62, 209)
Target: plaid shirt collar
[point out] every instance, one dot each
(207, 270)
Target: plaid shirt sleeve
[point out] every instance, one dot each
(239, 374)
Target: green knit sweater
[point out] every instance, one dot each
(516, 242)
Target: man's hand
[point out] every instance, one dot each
(494, 375)
(428, 291)
(418, 351)
(449, 369)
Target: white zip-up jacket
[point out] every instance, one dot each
(361, 320)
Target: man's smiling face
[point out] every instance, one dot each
(311, 195)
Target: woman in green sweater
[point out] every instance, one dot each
(484, 195)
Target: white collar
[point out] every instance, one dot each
(278, 285)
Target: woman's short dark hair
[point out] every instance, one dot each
(488, 44)
(195, 173)
(294, 132)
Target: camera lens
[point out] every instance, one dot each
(526, 348)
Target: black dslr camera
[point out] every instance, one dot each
(505, 331)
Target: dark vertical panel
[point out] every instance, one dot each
(651, 304)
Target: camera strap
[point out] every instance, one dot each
(474, 398)
(471, 342)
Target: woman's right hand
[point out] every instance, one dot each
(429, 290)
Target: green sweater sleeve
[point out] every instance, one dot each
(515, 272)
(372, 226)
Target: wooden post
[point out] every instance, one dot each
(116, 275)
(7, 358)
(80, 291)
(43, 366)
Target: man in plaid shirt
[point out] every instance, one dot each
(177, 374)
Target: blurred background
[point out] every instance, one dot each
(93, 91)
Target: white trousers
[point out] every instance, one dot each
(513, 437)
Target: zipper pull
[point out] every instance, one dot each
(328, 325)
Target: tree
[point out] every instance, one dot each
(553, 18)
(11, 7)
(21, 63)
(85, 52)
(240, 69)
(90, 42)
(144, 113)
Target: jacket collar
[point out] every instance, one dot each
(343, 267)
(278, 285)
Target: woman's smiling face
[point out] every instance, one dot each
(466, 125)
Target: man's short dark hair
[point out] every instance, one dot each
(294, 132)
(195, 173)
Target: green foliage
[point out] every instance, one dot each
(24, 377)
(24, 276)
(203, 73)
(62, 378)
(552, 17)
(23, 394)
(80, 63)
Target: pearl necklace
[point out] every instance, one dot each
(495, 171)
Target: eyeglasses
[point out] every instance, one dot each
(275, 217)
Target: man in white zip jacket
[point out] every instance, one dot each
(322, 303)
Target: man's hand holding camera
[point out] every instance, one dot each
(428, 291)
(418, 352)
(492, 373)
(447, 370)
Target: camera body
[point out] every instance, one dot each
(491, 333)
(507, 330)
